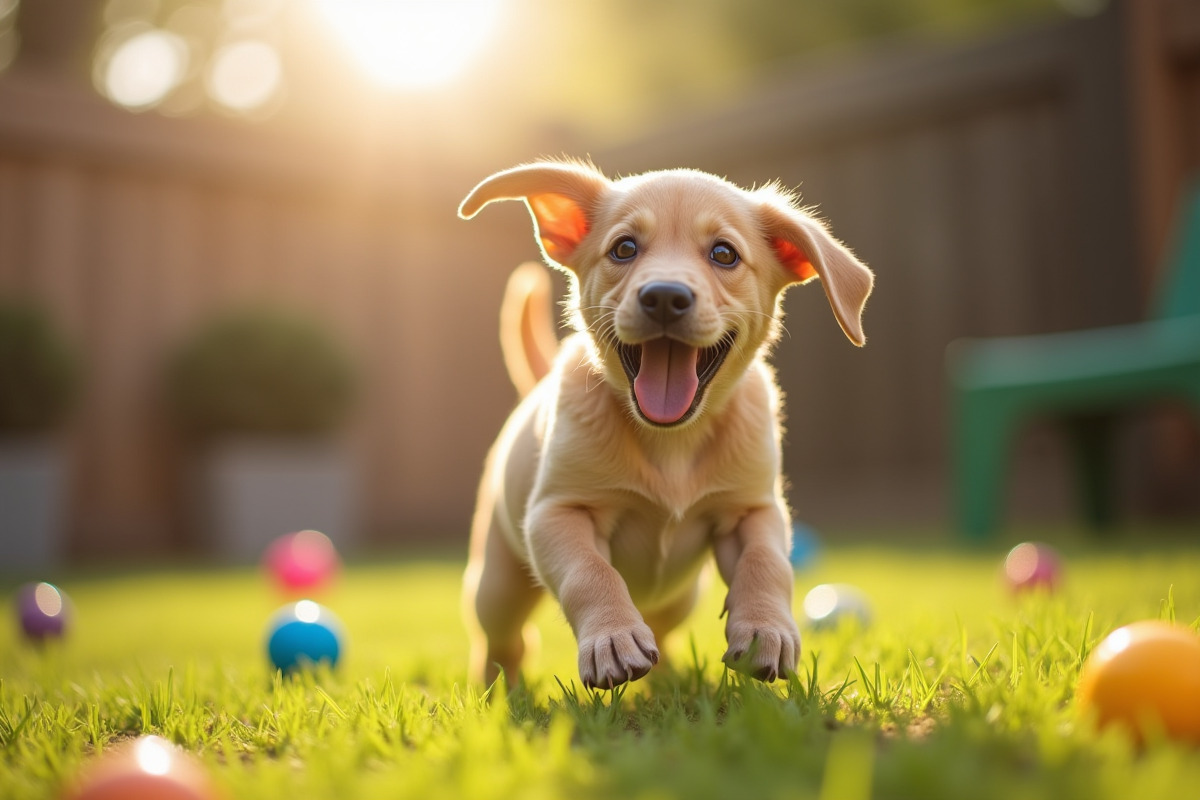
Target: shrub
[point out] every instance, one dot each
(38, 371)
(260, 371)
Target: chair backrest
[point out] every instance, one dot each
(1179, 292)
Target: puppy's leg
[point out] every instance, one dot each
(762, 634)
(615, 644)
(499, 594)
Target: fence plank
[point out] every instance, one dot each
(13, 261)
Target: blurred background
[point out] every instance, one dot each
(237, 299)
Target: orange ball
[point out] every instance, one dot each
(1145, 676)
(149, 768)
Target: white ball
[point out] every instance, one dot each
(827, 605)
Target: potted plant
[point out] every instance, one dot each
(38, 384)
(262, 393)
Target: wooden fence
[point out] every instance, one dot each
(992, 188)
(135, 229)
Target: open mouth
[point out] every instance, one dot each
(668, 378)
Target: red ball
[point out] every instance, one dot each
(1032, 565)
(302, 561)
(149, 768)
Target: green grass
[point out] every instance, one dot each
(956, 690)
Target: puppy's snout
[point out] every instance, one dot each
(666, 301)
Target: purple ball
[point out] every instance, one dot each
(44, 611)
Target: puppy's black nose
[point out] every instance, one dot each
(665, 301)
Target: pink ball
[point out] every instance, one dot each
(1032, 565)
(302, 561)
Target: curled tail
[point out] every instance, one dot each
(527, 326)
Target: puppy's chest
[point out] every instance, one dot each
(672, 487)
(659, 524)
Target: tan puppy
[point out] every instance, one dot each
(654, 437)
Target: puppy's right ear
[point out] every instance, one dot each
(560, 198)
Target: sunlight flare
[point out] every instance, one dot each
(412, 44)
(245, 75)
(144, 68)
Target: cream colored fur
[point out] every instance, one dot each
(582, 494)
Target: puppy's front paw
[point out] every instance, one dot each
(610, 658)
(764, 648)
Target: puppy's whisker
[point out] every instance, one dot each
(592, 372)
(606, 315)
(603, 332)
(742, 315)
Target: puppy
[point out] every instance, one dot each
(652, 436)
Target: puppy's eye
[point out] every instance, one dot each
(624, 250)
(724, 255)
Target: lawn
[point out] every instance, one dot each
(957, 689)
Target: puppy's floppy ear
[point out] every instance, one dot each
(807, 250)
(560, 197)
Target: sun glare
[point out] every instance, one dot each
(412, 43)
(245, 75)
(153, 755)
(142, 69)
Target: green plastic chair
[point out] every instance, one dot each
(1081, 378)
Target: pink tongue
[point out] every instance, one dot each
(666, 383)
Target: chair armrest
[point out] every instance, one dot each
(1073, 355)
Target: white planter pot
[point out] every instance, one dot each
(33, 493)
(253, 490)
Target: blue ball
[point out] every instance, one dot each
(302, 635)
(805, 546)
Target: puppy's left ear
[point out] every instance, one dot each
(807, 250)
(561, 197)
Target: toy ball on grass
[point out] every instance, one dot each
(1145, 676)
(149, 768)
(829, 604)
(1032, 565)
(302, 561)
(805, 546)
(43, 610)
(302, 635)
